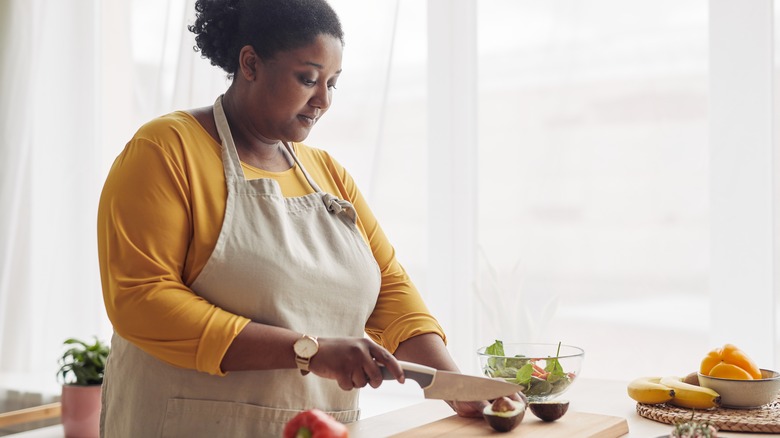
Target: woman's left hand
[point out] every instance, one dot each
(474, 409)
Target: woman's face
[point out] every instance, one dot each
(294, 89)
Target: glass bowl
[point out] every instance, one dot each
(545, 371)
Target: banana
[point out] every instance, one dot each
(691, 396)
(649, 390)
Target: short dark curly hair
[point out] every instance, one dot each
(223, 27)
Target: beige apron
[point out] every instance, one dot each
(299, 263)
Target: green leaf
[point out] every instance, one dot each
(83, 363)
(497, 349)
(554, 366)
(523, 376)
(516, 362)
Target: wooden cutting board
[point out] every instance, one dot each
(571, 425)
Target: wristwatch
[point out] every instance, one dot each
(305, 348)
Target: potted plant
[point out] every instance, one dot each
(81, 373)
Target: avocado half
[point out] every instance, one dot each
(504, 414)
(549, 410)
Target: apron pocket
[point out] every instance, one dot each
(211, 418)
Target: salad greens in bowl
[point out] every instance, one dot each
(545, 371)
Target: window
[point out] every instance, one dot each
(593, 189)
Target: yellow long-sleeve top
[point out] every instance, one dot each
(159, 217)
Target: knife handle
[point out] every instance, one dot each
(421, 374)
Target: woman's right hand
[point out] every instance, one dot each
(353, 362)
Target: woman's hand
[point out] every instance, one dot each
(474, 409)
(353, 362)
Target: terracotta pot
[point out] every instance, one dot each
(81, 411)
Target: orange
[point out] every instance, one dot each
(729, 362)
(735, 356)
(728, 371)
(713, 358)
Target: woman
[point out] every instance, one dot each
(235, 259)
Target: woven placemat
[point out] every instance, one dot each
(765, 419)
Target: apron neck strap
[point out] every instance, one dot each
(333, 204)
(230, 158)
(289, 149)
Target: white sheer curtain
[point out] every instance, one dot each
(626, 184)
(15, 67)
(49, 289)
(594, 195)
(67, 79)
(168, 73)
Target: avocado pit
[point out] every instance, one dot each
(504, 414)
(549, 410)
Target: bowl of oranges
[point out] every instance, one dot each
(737, 379)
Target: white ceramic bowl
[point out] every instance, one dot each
(744, 393)
(539, 387)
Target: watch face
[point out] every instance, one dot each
(305, 347)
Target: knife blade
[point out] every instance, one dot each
(447, 385)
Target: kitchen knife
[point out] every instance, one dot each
(447, 385)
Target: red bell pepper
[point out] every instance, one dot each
(314, 423)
